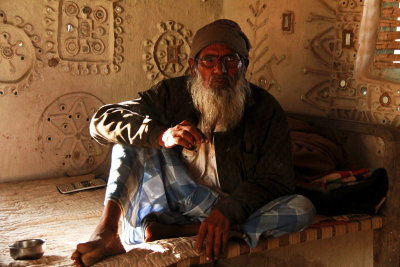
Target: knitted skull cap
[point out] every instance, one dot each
(222, 31)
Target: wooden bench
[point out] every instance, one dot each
(238, 248)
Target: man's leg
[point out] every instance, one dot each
(104, 241)
(284, 215)
(145, 183)
(148, 183)
(165, 199)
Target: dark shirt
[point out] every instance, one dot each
(254, 160)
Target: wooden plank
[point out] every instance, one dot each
(377, 221)
(389, 23)
(326, 232)
(388, 36)
(366, 225)
(294, 238)
(390, 12)
(340, 230)
(273, 243)
(392, 45)
(387, 58)
(353, 227)
(386, 65)
(311, 234)
(387, 239)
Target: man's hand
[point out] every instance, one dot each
(215, 231)
(183, 134)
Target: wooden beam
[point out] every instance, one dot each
(387, 65)
(389, 23)
(388, 45)
(390, 12)
(387, 58)
(388, 36)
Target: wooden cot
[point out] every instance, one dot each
(35, 209)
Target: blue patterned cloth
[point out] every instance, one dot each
(155, 184)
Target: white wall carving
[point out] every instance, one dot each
(338, 92)
(64, 134)
(260, 68)
(20, 55)
(84, 37)
(166, 56)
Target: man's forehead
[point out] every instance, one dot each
(217, 49)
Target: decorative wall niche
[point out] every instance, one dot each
(288, 22)
(85, 37)
(347, 39)
(20, 55)
(166, 56)
(335, 52)
(64, 134)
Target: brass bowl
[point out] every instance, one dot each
(30, 249)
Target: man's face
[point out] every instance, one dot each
(218, 65)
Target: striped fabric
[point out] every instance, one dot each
(151, 184)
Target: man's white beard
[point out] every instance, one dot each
(221, 106)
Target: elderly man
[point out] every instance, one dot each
(204, 155)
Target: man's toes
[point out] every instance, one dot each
(93, 256)
(84, 247)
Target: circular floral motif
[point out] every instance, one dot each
(64, 133)
(167, 56)
(17, 54)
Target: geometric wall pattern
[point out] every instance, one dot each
(167, 54)
(64, 134)
(20, 55)
(260, 67)
(335, 48)
(84, 37)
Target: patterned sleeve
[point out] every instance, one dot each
(136, 122)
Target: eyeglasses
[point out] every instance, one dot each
(229, 61)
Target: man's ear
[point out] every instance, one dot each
(192, 66)
(246, 62)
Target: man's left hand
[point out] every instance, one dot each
(215, 231)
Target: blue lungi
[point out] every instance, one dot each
(149, 182)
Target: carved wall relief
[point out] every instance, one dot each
(64, 134)
(166, 56)
(85, 37)
(260, 69)
(338, 92)
(20, 55)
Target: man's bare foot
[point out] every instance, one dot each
(156, 231)
(100, 246)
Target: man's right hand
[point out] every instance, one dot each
(184, 134)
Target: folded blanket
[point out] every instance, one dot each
(314, 155)
(360, 191)
(336, 180)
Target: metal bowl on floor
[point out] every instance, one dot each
(30, 249)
